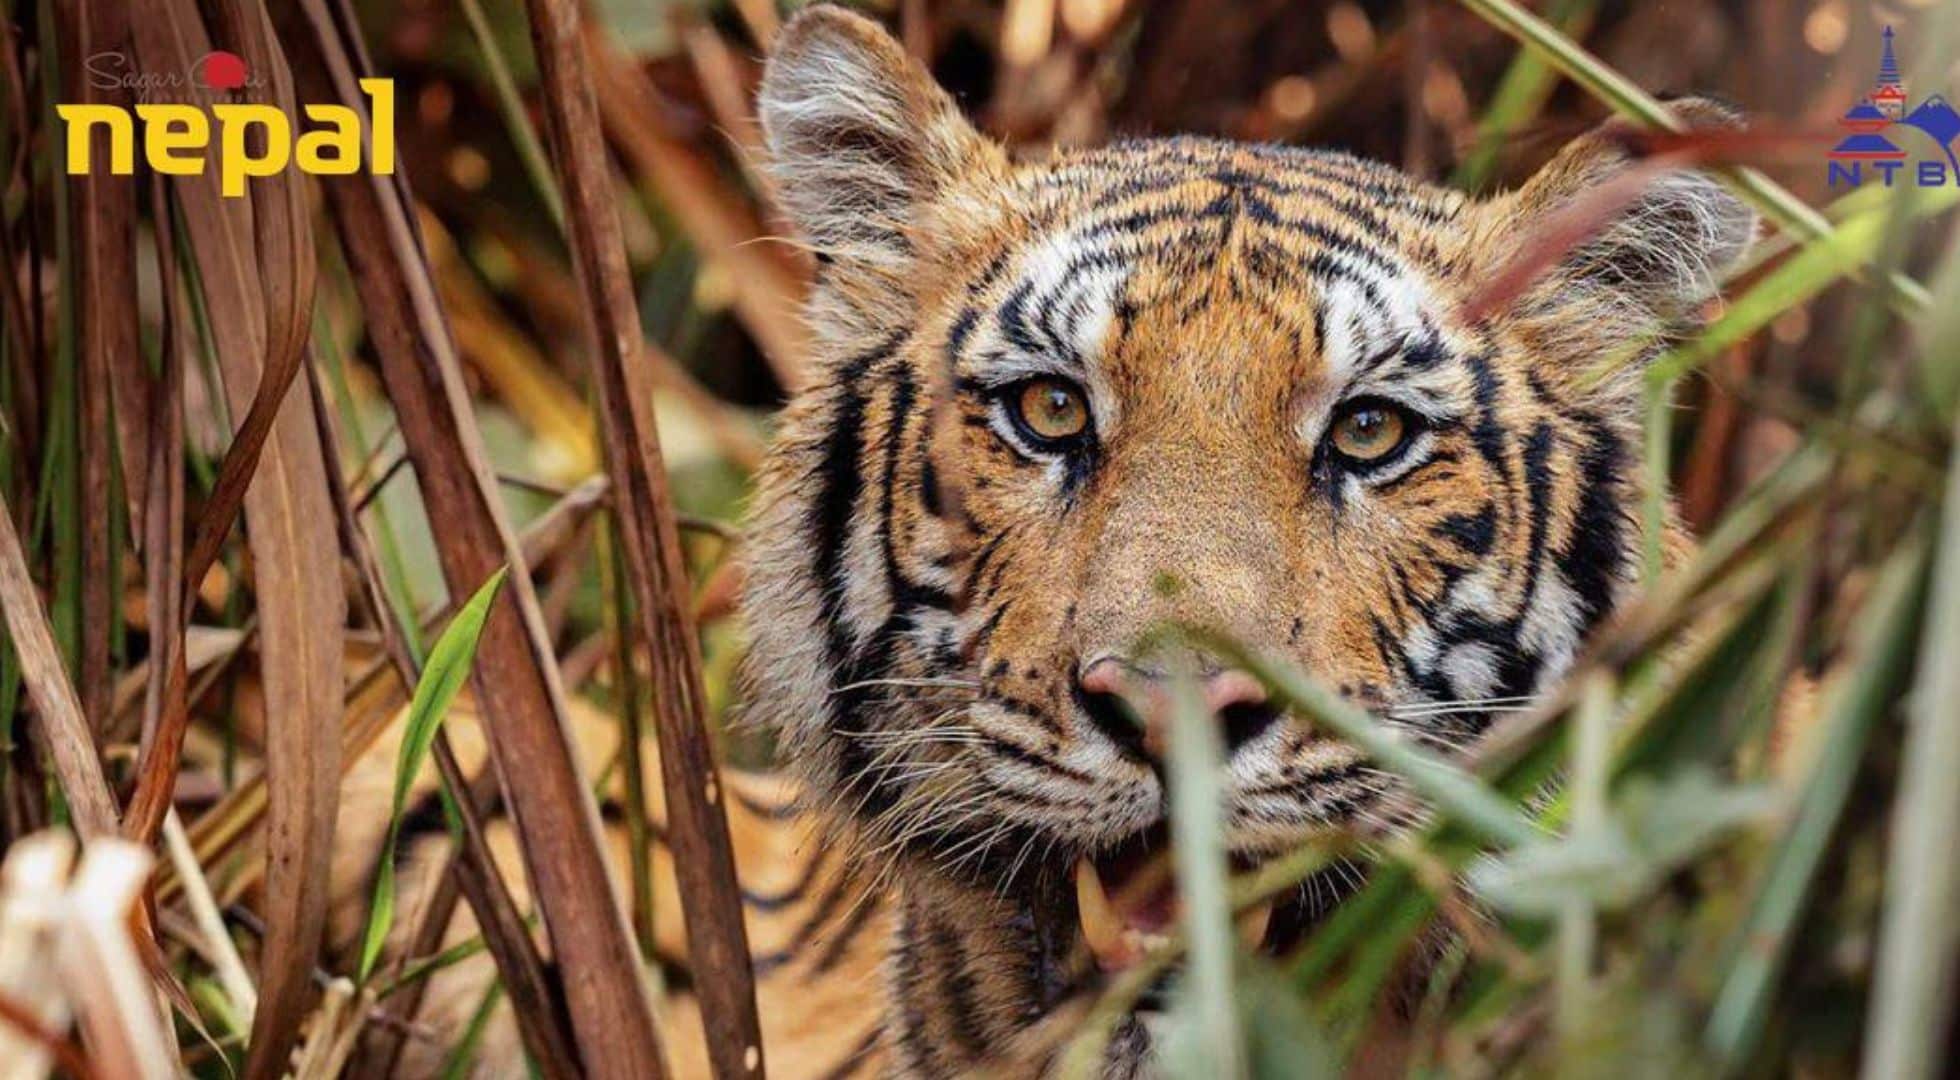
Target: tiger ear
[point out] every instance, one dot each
(862, 140)
(1660, 257)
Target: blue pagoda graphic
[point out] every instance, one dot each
(1866, 121)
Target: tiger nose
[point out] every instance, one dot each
(1238, 700)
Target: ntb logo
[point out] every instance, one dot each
(1868, 150)
(177, 135)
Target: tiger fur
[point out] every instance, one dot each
(943, 594)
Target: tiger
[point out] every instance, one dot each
(1057, 403)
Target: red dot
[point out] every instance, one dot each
(222, 71)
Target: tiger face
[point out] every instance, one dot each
(1060, 404)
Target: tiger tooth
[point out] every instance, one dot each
(1252, 924)
(1102, 930)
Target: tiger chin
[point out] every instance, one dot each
(1057, 404)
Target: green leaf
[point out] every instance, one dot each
(1519, 97)
(1912, 988)
(449, 664)
(1654, 829)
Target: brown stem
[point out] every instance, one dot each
(704, 863)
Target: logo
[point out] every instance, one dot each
(177, 136)
(1869, 150)
(218, 70)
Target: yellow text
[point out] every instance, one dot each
(176, 138)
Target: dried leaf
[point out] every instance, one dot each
(60, 730)
(104, 244)
(255, 269)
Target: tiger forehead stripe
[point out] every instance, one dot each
(1066, 299)
(1068, 283)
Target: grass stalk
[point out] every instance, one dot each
(643, 505)
(442, 678)
(1919, 937)
(1456, 793)
(1578, 923)
(510, 106)
(1197, 824)
(1883, 651)
(1519, 97)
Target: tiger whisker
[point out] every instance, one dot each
(942, 814)
(899, 772)
(963, 684)
(911, 738)
(1462, 703)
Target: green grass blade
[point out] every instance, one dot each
(394, 570)
(1865, 691)
(1455, 792)
(1920, 932)
(616, 616)
(463, 1055)
(58, 504)
(1352, 922)
(1851, 245)
(1658, 461)
(510, 105)
(1939, 367)
(449, 664)
(1209, 1033)
(1526, 85)
(1578, 921)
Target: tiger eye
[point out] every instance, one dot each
(1369, 432)
(1052, 409)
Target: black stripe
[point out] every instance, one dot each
(962, 1012)
(858, 1058)
(826, 906)
(840, 482)
(840, 941)
(911, 1024)
(760, 901)
(1474, 533)
(1597, 554)
(1487, 435)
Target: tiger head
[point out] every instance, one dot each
(1059, 404)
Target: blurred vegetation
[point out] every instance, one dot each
(1690, 902)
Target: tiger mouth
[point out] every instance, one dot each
(1127, 902)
